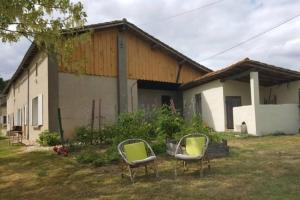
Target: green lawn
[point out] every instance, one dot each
(257, 168)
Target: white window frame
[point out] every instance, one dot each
(38, 110)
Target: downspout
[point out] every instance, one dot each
(27, 120)
(131, 93)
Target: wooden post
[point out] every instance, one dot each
(99, 114)
(61, 131)
(92, 121)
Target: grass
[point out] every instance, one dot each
(257, 168)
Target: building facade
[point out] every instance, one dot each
(124, 69)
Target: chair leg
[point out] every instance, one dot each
(184, 166)
(122, 170)
(201, 168)
(131, 174)
(208, 163)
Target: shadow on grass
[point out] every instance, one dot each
(251, 171)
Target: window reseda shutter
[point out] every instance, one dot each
(40, 110)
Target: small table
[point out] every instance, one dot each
(15, 137)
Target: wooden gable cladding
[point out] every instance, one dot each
(97, 56)
(188, 74)
(147, 63)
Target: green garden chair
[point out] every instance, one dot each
(136, 153)
(192, 147)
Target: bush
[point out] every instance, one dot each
(47, 138)
(159, 148)
(154, 126)
(87, 156)
(168, 123)
(90, 156)
(83, 135)
(198, 126)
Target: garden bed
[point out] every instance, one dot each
(218, 150)
(214, 150)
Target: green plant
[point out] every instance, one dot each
(168, 123)
(83, 135)
(159, 148)
(87, 156)
(111, 155)
(47, 138)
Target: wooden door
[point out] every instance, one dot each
(231, 102)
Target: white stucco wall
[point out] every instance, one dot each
(2, 115)
(18, 93)
(213, 110)
(244, 114)
(76, 93)
(287, 93)
(282, 118)
(238, 88)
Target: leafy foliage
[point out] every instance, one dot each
(168, 123)
(54, 26)
(2, 84)
(42, 20)
(83, 135)
(155, 126)
(47, 138)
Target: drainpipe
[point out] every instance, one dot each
(131, 92)
(27, 120)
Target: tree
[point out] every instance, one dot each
(40, 21)
(2, 84)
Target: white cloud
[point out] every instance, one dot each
(204, 32)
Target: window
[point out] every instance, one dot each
(37, 111)
(165, 100)
(198, 104)
(19, 118)
(4, 119)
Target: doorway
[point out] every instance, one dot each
(231, 102)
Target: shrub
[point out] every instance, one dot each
(89, 155)
(198, 126)
(159, 148)
(47, 138)
(168, 123)
(83, 135)
(111, 155)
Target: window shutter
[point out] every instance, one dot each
(40, 110)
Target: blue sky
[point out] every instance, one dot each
(201, 33)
